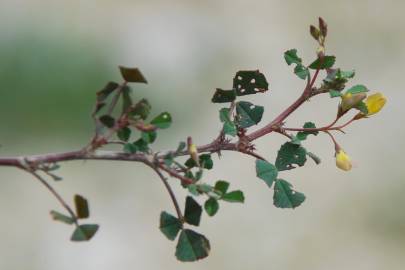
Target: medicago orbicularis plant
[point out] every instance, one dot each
(123, 122)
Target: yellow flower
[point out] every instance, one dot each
(375, 103)
(343, 161)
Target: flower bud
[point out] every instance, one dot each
(350, 100)
(315, 33)
(343, 161)
(375, 103)
(323, 27)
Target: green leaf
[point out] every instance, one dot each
(223, 96)
(204, 160)
(130, 148)
(84, 232)
(192, 246)
(334, 93)
(229, 127)
(162, 121)
(302, 135)
(362, 107)
(248, 114)
(82, 207)
(327, 62)
(61, 217)
(149, 136)
(314, 157)
(290, 154)
(346, 74)
(141, 109)
(124, 134)
(193, 189)
(132, 75)
(285, 196)
(221, 186)
(126, 99)
(291, 57)
(181, 147)
(357, 89)
(234, 196)
(192, 212)
(301, 71)
(103, 94)
(141, 145)
(211, 206)
(107, 120)
(266, 171)
(169, 225)
(248, 82)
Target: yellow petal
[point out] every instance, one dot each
(375, 103)
(343, 161)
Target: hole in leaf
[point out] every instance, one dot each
(242, 90)
(257, 90)
(239, 78)
(252, 81)
(252, 107)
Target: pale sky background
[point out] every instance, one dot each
(54, 55)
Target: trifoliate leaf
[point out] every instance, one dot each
(169, 225)
(223, 96)
(82, 207)
(132, 75)
(291, 57)
(234, 196)
(162, 121)
(61, 217)
(107, 120)
(357, 89)
(302, 135)
(211, 206)
(192, 246)
(192, 212)
(248, 114)
(290, 154)
(266, 171)
(285, 196)
(124, 134)
(327, 62)
(221, 186)
(84, 232)
(248, 82)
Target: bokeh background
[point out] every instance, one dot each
(54, 56)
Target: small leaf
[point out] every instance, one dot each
(290, 154)
(223, 96)
(192, 212)
(345, 74)
(248, 82)
(162, 121)
(334, 93)
(327, 62)
(229, 127)
(266, 171)
(84, 232)
(124, 134)
(357, 89)
(169, 225)
(302, 135)
(141, 109)
(181, 147)
(126, 99)
(285, 196)
(211, 206)
(234, 196)
(107, 121)
(103, 94)
(82, 207)
(149, 137)
(291, 57)
(248, 114)
(192, 246)
(132, 75)
(221, 186)
(130, 148)
(62, 218)
(301, 71)
(362, 107)
(141, 145)
(204, 160)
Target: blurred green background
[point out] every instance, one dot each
(54, 56)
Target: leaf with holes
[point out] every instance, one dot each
(169, 225)
(290, 154)
(211, 206)
(248, 114)
(248, 82)
(223, 96)
(327, 62)
(82, 207)
(61, 217)
(132, 75)
(84, 232)
(192, 246)
(285, 197)
(302, 135)
(192, 212)
(266, 171)
(162, 121)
